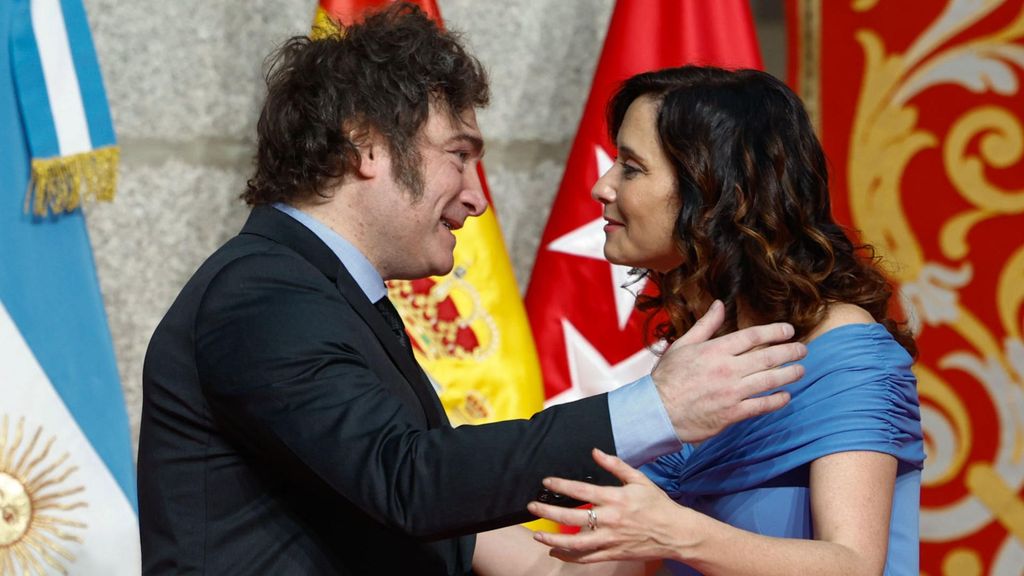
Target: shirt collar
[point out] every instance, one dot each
(365, 275)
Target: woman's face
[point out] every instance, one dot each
(639, 195)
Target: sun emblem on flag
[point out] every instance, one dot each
(36, 496)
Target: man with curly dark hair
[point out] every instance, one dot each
(286, 427)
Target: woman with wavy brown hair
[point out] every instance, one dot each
(720, 193)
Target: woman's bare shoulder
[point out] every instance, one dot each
(840, 314)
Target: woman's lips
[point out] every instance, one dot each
(611, 224)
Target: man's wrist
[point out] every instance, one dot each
(641, 426)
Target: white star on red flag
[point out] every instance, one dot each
(591, 373)
(587, 241)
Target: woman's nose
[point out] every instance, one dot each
(603, 191)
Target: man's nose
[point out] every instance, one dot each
(472, 196)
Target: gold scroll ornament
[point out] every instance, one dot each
(885, 137)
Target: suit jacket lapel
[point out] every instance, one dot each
(399, 355)
(271, 223)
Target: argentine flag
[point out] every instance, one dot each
(67, 488)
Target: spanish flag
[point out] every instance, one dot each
(469, 328)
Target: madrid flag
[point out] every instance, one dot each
(588, 337)
(469, 328)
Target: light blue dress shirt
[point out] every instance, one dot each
(365, 275)
(640, 424)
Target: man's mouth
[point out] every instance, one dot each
(450, 224)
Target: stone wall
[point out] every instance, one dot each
(184, 83)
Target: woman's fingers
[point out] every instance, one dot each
(584, 547)
(582, 491)
(566, 516)
(580, 542)
(585, 492)
(624, 472)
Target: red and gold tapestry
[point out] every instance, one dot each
(921, 111)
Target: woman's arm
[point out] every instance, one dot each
(512, 551)
(851, 503)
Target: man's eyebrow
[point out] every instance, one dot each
(476, 142)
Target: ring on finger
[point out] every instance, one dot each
(591, 519)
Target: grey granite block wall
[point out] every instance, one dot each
(184, 80)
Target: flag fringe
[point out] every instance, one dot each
(324, 26)
(60, 184)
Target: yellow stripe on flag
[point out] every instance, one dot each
(323, 25)
(496, 376)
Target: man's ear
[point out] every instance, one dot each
(372, 151)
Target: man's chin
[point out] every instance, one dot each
(426, 272)
(442, 270)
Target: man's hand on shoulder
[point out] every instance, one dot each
(708, 384)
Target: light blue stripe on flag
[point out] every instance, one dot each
(49, 286)
(90, 80)
(29, 81)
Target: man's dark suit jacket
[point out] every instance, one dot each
(286, 431)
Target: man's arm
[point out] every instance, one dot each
(283, 361)
(281, 357)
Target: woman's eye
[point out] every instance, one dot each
(629, 170)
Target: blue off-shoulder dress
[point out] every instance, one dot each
(857, 393)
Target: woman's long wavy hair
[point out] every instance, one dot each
(755, 228)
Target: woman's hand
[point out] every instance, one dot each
(636, 521)
(851, 502)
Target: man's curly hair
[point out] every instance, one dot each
(382, 74)
(755, 228)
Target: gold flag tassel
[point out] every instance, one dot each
(60, 184)
(324, 26)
